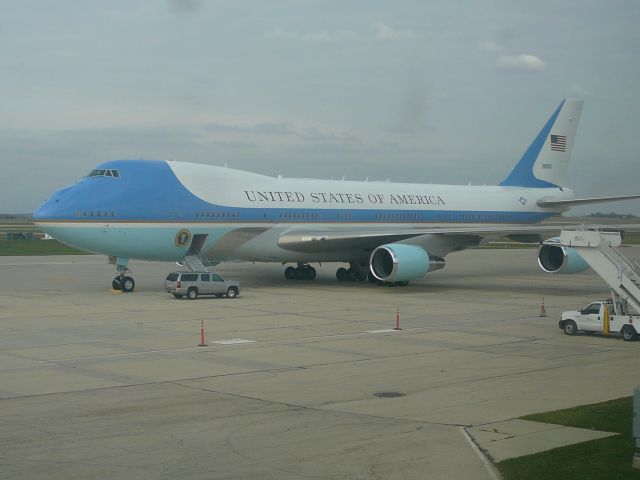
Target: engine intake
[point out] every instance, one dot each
(397, 262)
(556, 258)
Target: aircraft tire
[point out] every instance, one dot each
(128, 285)
(290, 273)
(341, 274)
(115, 284)
(310, 273)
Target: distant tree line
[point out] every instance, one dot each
(611, 215)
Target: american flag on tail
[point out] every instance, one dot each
(559, 143)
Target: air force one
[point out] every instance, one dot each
(389, 232)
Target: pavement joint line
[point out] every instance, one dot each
(488, 464)
(310, 407)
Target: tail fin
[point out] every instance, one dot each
(545, 162)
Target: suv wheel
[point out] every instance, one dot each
(232, 292)
(192, 293)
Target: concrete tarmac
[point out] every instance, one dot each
(300, 379)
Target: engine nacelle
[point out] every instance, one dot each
(397, 262)
(556, 258)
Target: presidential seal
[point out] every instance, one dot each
(182, 238)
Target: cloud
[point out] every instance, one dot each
(383, 31)
(579, 91)
(310, 134)
(489, 47)
(185, 6)
(523, 63)
(380, 31)
(314, 37)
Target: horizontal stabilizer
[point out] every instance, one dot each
(551, 203)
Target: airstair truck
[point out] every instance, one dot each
(607, 317)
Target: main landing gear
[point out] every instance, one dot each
(355, 273)
(122, 280)
(302, 272)
(350, 275)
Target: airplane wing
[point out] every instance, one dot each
(315, 241)
(551, 203)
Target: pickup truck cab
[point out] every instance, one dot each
(601, 317)
(193, 284)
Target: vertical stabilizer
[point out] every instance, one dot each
(545, 162)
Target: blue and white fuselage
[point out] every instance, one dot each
(139, 213)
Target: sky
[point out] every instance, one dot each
(427, 91)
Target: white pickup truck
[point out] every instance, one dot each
(602, 317)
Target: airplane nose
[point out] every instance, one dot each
(52, 208)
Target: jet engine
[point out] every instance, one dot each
(397, 262)
(556, 258)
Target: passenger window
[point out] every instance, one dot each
(189, 277)
(216, 278)
(204, 277)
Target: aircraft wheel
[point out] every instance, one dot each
(289, 273)
(310, 273)
(128, 284)
(115, 284)
(341, 274)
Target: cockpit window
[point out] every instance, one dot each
(104, 173)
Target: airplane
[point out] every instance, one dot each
(390, 233)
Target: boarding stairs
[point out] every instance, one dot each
(598, 249)
(194, 263)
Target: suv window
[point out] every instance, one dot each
(172, 277)
(216, 278)
(204, 277)
(189, 277)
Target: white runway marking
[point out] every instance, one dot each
(233, 341)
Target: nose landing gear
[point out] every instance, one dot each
(122, 280)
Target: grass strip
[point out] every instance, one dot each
(37, 247)
(607, 458)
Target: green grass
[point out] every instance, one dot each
(36, 247)
(607, 458)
